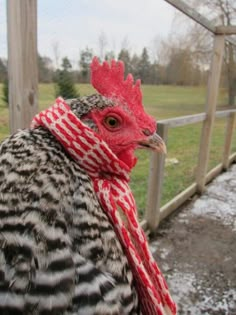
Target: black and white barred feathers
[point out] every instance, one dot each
(59, 253)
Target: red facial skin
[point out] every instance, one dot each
(123, 134)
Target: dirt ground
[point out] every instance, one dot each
(196, 250)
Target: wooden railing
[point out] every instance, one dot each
(154, 213)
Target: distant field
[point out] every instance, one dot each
(161, 102)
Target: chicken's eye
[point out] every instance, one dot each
(112, 122)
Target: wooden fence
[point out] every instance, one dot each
(22, 59)
(154, 213)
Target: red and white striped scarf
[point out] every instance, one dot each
(110, 178)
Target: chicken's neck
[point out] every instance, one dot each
(81, 142)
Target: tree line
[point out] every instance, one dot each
(175, 64)
(180, 69)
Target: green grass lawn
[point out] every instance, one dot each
(162, 102)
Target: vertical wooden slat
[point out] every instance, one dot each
(22, 62)
(212, 95)
(230, 125)
(156, 175)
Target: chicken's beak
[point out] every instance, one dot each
(154, 142)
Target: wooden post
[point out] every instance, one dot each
(22, 62)
(156, 175)
(230, 125)
(212, 95)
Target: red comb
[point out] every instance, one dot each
(108, 80)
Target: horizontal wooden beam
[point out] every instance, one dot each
(214, 172)
(224, 113)
(226, 29)
(192, 119)
(232, 158)
(183, 120)
(218, 169)
(177, 201)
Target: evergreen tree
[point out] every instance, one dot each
(109, 55)
(86, 57)
(4, 80)
(125, 57)
(3, 70)
(144, 66)
(5, 91)
(65, 86)
(134, 66)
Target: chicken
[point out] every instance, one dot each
(64, 248)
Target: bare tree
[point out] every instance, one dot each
(125, 44)
(55, 47)
(155, 48)
(102, 43)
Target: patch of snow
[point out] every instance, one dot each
(153, 246)
(214, 208)
(219, 201)
(181, 287)
(223, 177)
(163, 251)
(183, 290)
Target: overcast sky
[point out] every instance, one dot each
(72, 25)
